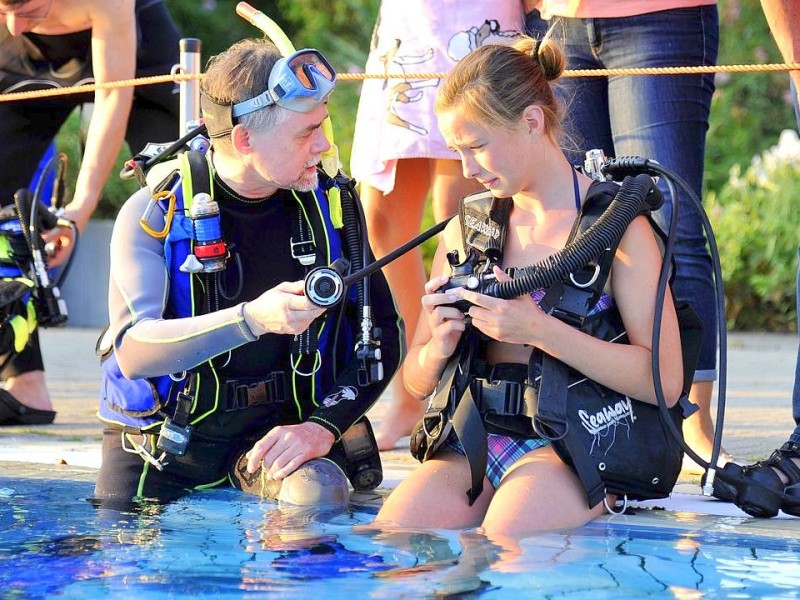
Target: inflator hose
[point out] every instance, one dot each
(356, 246)
(637, 195)
(635, 164)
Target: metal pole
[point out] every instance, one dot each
(189, 90)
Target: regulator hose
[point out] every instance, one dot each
(637, 195)
(354, 235)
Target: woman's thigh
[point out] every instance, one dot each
(395, 217)
(539, 493)
(435, 495)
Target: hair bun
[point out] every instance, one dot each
(551, 57)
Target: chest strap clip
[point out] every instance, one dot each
(239, 394)
(303, 252)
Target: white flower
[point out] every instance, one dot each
(764, 165)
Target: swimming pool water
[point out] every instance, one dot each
(223, 544)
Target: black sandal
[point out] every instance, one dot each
(13, 412)
(722, 489)
(767, 494)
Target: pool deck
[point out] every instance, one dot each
(758, 419)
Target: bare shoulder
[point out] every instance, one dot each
(638, 235)
(638, 257)
(105, 11)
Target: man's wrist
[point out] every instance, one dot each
(251, 323)
(326, 426)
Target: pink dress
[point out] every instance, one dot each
(395, 116)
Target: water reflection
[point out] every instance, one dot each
(226, 545)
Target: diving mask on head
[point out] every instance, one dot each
(298, 82)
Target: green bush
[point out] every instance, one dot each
(748, 110)
(756, 220)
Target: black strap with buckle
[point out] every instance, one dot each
(304, 251)
(504, 398)
(238, 394)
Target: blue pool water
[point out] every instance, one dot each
(223, 544)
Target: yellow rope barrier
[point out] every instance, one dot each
(91, 87)
(82, 89)
(603, 72)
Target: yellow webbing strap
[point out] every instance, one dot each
(19, 325)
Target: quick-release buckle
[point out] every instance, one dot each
(513, 397)
(303, 252)
(241, 394)
(501, 397)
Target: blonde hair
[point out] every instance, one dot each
(494, 83)
(239, 73)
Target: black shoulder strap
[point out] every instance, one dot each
(551, 421)
(307, 227)
(484, 223)
(452, 401)
(572, 298)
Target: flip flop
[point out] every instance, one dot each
(13, 412)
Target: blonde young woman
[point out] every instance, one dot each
(498, 111)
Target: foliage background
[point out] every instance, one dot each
(748, 113)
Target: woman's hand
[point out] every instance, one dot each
(515, 321)
(446, 323)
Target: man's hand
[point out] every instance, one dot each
(59, 243)
(286, 447)
(283, 309)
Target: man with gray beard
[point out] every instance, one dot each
(223, 372)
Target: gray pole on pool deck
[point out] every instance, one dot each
(189, 89)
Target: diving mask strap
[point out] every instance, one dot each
(218, 118)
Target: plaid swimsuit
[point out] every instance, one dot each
(505, 450)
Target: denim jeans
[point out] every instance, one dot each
(660, 117)
(795, 437)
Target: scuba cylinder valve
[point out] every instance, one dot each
(593, 165)
(210, 251)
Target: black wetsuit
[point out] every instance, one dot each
(27, 127)
(146, 338)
